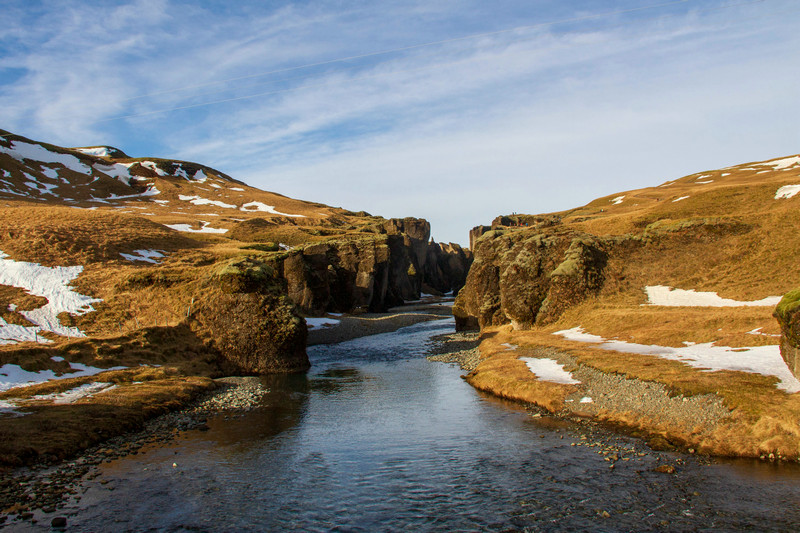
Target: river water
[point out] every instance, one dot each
(377, 438)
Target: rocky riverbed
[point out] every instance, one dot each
(32, 492)
(457, 348)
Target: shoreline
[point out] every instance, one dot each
(38, 491)
(28, 493)
(355, 326)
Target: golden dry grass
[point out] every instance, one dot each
(59, 431)
(762, 421)
(727, 234)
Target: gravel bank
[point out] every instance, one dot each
(457, 348)
(611, 392)
(36, 493)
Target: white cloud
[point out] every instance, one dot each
(533, 120)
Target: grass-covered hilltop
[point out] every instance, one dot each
(134, 281)
(652, 309)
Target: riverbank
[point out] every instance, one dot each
(343, 328)
(669, 404)
(29, 492)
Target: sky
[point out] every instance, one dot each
(455, 111)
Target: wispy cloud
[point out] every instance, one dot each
(543, 118)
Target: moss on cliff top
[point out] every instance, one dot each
(788, 306)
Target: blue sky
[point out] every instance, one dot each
(452, 110)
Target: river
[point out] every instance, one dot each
(377, 438)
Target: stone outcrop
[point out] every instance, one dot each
(446, 268)
(788, 315)
(529, 277)
(372, 272)
(246, 316)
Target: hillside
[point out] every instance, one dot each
(127, 283)
(650, 308)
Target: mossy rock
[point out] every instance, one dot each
(244, 275)
(263, 247)
(788, 307)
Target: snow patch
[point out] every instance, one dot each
(51, 283)
(264, 208)
(510, 346)
(205, 228)
(704, 182)
(152, 166)
(764, 360)
(148, 256)
(35, 152)
(669, 297)
(787, 191)
(549, 370)
(321, 322)
(197, 200)
(679, 199)
(99, 151)
(86, 390)
(12, 376)
(587, 399)
(785, 163)
(236, 189)
(617, 200)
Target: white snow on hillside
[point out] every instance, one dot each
(203, 229)
(12, 376)
(785, 163)
(99, 151)
(764, 360)
(787, 191)
(87, 390)
(148, 256)
(679, 199)
(153, 166)
(237, 189)
(704, 182)
(668, 297)
(549, 370)
(197, 200)
(51, 283)
(617, 200)
(119, 171)
(264, 208)
(37, 153)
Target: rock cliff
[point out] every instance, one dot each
(788, 315)
(371, 272)
(528, 278)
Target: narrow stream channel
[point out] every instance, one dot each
(377, 438)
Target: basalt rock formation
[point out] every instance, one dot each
(788, 315)
(372, 272)
(529, 278)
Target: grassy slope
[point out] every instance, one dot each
(730, 236)
(142, 318)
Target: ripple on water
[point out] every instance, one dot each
(376, 438)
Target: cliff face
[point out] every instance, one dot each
(788, 315)
(529, 278)
(372, 272)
